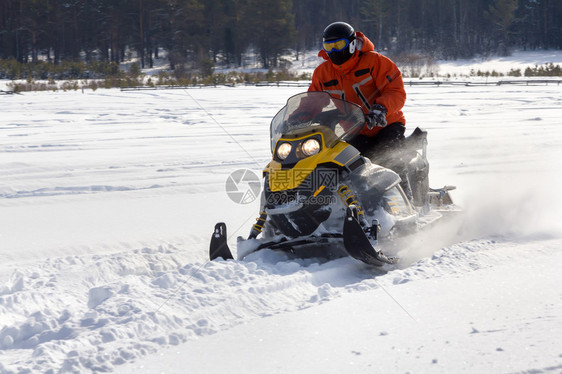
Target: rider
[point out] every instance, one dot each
(353, 71)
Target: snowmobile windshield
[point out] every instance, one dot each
(313, 110)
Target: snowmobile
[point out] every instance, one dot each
(322, 198)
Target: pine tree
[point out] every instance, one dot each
(272, 26)
(501, 14)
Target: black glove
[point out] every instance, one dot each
(376, 116)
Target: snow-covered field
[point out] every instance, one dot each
(108, 200)
(516, 60)
(451, 68)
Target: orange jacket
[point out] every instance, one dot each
(365, 79)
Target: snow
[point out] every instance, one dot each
(516, 60)
(108, 200)
(439, 317)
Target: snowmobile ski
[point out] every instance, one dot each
(358, 245)
(219, 246)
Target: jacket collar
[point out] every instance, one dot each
(363, 45)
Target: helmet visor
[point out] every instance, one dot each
(335, 45)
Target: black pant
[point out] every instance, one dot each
(387, 149)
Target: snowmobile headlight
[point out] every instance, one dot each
(310, 147)
(283, 150)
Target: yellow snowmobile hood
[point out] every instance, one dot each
(280, 179)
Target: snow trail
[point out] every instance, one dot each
(80, 311)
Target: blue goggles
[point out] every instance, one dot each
(335, 45)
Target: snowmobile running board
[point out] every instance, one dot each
(219, 247)
(440, 196)
(357, 244)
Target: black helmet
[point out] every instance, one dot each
(338, 30)
(342, 51)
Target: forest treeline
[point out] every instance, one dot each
(204, 33)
